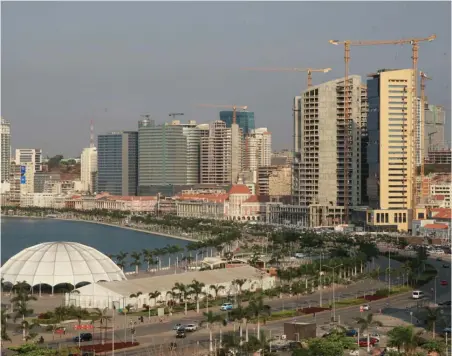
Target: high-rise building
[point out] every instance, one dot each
(168, 155)
(88, 165)
(27, 155)
(27, 177)
(434, 128)
(318, 167)
(221, 153)
(5, 154)
(258, 149)
(390, 151)
(117, 160)
(245, 120)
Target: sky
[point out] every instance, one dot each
(66, 63)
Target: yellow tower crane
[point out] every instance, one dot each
(306, 70)
(414, 42)
(233, 107)
(424, 78)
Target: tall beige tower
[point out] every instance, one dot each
(88, 166)
(391, 150)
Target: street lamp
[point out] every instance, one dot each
(334, 299)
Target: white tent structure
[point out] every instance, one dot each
(117, 294)
(53, 263)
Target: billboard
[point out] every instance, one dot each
(23, 169)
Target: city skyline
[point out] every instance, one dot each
(66, 75)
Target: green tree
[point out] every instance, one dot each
(21, 305)
(103, 317)
(434, 346)
(136, 260)
(196, 288)
(404, 337)
(154, 295)
(433, 315)
(5, 336)
(211, 319)
(258, 309)
(121, 259)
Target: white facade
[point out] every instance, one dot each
(5, 150)
(30, 155)
(107, 295)
(258, 149)
(41, 200)
(87, 167)
(441, 188)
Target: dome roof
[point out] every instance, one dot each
(53, 263)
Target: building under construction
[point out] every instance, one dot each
(321, 152)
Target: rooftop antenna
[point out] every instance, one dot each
(91, 135)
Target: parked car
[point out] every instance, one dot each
(444, 282)
(363, 342)
(445, 265)
(354, 353)
(226, 307)
(351, 333)
(366, 307)
(180, 334)
(83, 337)
(190, 327)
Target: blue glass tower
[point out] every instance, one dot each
(117, 156)
(245, 120)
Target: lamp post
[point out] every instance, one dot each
(334, 299)
(320, 276)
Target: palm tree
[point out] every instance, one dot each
(121, 259)
(136, 296)
(210, 319)
(404, 337)
(136, 260)
(154, 295)
(181, 291)
(217, 289)
(148, 257)
(366, 323)
(196, 289)
(5, 336)
(433, 314)
(102, 315)
(239, 282)
(20, 305)
(258, 308)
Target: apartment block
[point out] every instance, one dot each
(434, 132)
(319, 149)
(88, 166)
(391, 149)
(30, 155)
(169, 154)
(5, 150)
(258, 149)
(274, 181)
(221, 153)
(117, 154)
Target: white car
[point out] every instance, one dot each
(354, 353)
(191, 327)
(365, 307)
(417, 294)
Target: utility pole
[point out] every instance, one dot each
(334, 298)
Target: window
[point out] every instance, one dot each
(378, 218)
(395, 217)
(386, 218)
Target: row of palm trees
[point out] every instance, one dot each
(181, 293)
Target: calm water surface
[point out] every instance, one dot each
(20, 233)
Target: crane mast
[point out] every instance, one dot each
(424, 78)
(414, 42)
(309, 71)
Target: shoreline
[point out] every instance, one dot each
(107, 224)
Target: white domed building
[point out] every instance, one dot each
(54, 263)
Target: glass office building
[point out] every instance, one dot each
(118, 163)
(245, 120)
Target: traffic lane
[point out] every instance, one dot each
(443, 293)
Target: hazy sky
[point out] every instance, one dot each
(65, 63)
